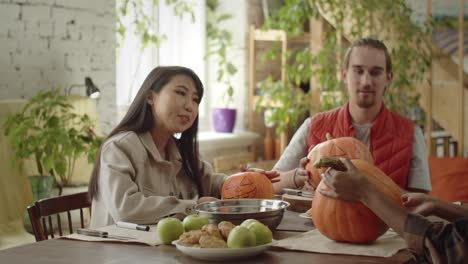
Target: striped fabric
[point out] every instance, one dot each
(437, 242)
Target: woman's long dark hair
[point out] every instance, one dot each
(139, 119)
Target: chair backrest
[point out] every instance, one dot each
(46, 208)
(449, 178)
(443, 144)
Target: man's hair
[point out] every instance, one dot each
(368, 42)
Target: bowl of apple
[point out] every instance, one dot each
(267, 211)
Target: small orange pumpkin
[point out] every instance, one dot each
(247, 185)
(353, 222)
(345, 147)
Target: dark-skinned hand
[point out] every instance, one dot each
(347, 185)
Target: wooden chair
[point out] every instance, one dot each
(449, 178)
(449, 173)
(443, 144)
(46, 208)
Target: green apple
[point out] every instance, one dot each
(241, 237)
(263, 234)
(247, 222)
(194, 222)
(169, 229)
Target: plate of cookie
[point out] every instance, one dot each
(216, 254)
(210, 242)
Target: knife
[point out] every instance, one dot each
(298, 192)
(97, 233)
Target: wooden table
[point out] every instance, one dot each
(71, 251)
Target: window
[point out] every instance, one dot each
(185, 46)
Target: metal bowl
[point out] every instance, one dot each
(269, 212)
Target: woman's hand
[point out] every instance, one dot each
(272, 175)
(419, 203)
(205, 199)
(346, 185)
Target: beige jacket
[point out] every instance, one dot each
(137, 185)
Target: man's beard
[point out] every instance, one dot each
(363, 103)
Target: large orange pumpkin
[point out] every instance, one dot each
(345, 147)
(247, 185)
(353, 222)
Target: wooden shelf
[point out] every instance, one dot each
(269, 35)
(258, 35)
(270, 104)
(304, 38)
(279, 35)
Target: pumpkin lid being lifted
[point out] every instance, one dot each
(344, 147)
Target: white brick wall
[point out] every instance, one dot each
(57, 43)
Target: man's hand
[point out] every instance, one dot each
(347, 185)
(301, 175)
(272, 175)
(419, 203)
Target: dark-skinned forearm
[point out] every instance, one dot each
(448, 211)
(391, 213)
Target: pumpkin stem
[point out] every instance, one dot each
(328, 136)
(333, 162)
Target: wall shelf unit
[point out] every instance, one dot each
(280, 36)
(313, 40)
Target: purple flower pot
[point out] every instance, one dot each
(224, 119)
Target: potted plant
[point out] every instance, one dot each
(47, 131)
(219, 41)
(285, 102)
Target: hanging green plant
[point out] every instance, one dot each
(138, 14)
(219, 42)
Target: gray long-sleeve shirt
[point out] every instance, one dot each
(419, 169)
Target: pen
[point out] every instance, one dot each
(97, 233)
(133, 226)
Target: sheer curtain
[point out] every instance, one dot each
(184, 46)
(133, 62)
(186, 40)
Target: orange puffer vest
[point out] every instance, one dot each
(391, 138)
